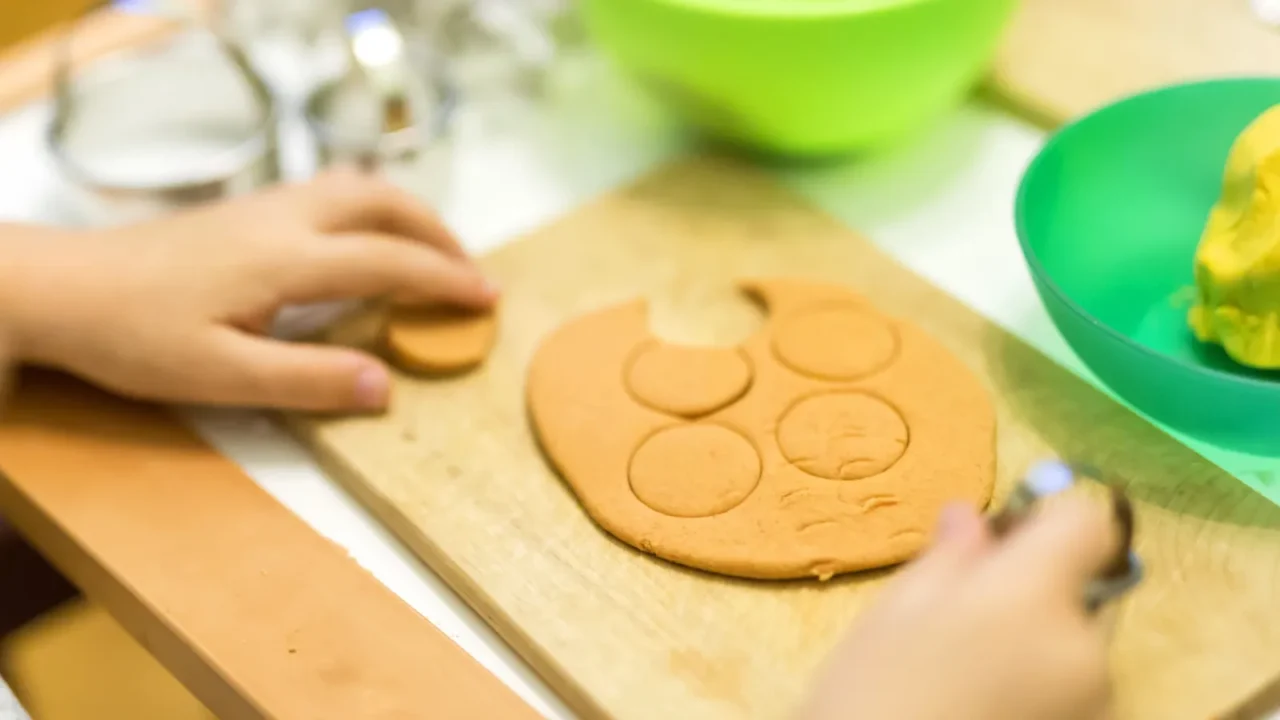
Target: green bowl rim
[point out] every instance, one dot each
(793, 9)
(1042, 274)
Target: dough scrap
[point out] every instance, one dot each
(776, 459)
(437, 339)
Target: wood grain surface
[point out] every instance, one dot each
(454, 470)
(1063, 58)
(259, 616)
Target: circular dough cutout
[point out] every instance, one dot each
(836, 342)
(842, 435)
(694, 471)
(687, 381)
(438, 340)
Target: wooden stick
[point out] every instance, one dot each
(259, 616)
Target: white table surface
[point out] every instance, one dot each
(9, 707)
(942, 205)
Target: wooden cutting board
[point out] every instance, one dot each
(453, 469)
(1062, 58)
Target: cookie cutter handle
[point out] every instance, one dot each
(1126, 570)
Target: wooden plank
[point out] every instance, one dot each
(243, 602)
(454, 470)
(1064, 58)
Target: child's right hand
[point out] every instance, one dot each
(983, 629)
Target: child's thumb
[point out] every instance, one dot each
(295, 376)
(960, 539)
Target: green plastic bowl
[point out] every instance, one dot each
(803, 77)
(1109, 216)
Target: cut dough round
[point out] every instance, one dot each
(842, 435)
(687, 381)
(836, 342)
(694, 470)
(438, 340)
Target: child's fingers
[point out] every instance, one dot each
(959, 523)
(960, 539)
(1061, 549)
(373, 265)
(351, 201)
(4, 368)
(263, 372)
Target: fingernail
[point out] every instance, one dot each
(951, 520)
(373, 384)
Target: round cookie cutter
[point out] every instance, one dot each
(383, 115)
(146, 130)
(1048, 478)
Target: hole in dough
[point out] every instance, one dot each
(719, 316)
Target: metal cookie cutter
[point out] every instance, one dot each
(390, 112)
(1050, 478)
(144, 130)
(384, 109)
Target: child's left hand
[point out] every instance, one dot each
(176, 309)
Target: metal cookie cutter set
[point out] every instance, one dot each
(1046, 479)
(140, 131)
(188, 119)
(384, 114)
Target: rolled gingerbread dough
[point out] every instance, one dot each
(438, 340)
(826, 443)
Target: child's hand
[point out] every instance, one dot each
(4, 368)
(983, 630)
(175, 309)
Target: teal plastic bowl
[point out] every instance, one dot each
(1109, 215)
(803, 77)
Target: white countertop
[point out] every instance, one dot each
(9, 707)
(943, 206)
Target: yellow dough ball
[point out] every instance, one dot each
(1237, 265)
